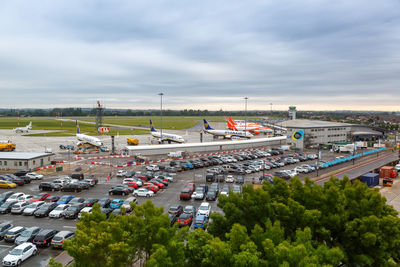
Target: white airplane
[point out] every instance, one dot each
(228, 134)
(23, 129)
(83, 138)
(165, 136)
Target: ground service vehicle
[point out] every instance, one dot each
(7, 147)
(132, 141)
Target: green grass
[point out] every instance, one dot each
(68, 128)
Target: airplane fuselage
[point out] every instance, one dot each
(168, 137)
(89, 139)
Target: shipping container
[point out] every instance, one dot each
(371, 179)
(386, 171)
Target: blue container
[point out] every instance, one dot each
(371, 179)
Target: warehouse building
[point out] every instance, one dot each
(16, 161)
(310, 133)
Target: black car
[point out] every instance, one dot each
(51, 199)
(27, 235)
(44, 237)
(47, 186)
(79, 176)
(89, 202)
(119, 191)
(106, 211)
(72, 211)
(104, 202)
(176, 209)
(130, 189)
(45, 209)
(16, 181)
(211, 195)
(20, 173)
(26, 179)
(6, 207)
(173, 218)
(72, 187)
(282, 175)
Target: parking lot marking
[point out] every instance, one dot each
(70, 227)
(6, 246)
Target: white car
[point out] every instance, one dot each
(153, 168)
(127, 202)
(85, 209)
(31, 208)
(25, 198)
(34, 176)
(19, 207)
(20, 253)
(300, 169)
(129, 180)
(14, 197)
(204, 209)
(58, 211)
(143, 193)
(198, 194)
(229, 179)
(397, 167)
(122, 173)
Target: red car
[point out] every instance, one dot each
(40, 197)
(186, 194)
(185, 220)
(151, 188)
(132, 184)
(143, 178)
(160, 185)
(191, 186)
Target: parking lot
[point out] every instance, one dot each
(163, 198)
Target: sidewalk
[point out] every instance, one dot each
(392, 194)
(64, 258)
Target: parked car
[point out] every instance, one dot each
(47, 186)
(127, 204)
(58, 212)
(18, 207)
(173, 218)
(32, 207)
(13, 233)
(7, 184)
(190, 210)
(14, 197)
(122, 173)
(116, 203)
(27, 235)
(142, 192)
(199, 194)
(72, 187)
(19, 254)
(185, 219)
(60, 237)
(34, 176)
(204, 209)
(44, 237)
(4, 227)
(200, 222)
(186, 194)
(39, 197)
(65, 199)
(119, 191)
(229, 179)
(89, 202)
(239, 179)
(104, 202)
(85, 210)
(72, 211)
(45, 209)
(6, 207)
(52, 199)
(211, 195)
(130, 189)
(176, 209)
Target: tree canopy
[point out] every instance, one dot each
(284, 224)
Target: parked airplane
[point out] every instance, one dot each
(165, 136)
(252, 127)
(86, 139)
(23, 129)
(228, 134)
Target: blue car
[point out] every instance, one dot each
(116, 203)
(200, 222)
(65, 199)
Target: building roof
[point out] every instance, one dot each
(22, 155)
(312, 124)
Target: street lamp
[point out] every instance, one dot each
(161, 95)
(245, 115)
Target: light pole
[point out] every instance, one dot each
(245, 115)
(161, 95)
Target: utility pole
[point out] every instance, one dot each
(245, 115)
(161, 95)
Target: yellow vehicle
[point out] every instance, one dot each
(132, 141)
(7, 146)
(7, 184)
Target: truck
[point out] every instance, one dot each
(132, 141)
(7, 146)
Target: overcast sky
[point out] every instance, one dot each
(316, 55)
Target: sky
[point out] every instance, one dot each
(315, 55)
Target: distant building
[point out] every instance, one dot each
(310, 133)
(24, 161)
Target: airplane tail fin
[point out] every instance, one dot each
(77, 127)
(152, 127)
(231, 124)
(207, 125)
(232, 121)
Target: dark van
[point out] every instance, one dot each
(78, 176)
(210, 177)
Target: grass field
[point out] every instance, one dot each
(68, 128)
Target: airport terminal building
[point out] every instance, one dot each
(310, 133)
(16, 161)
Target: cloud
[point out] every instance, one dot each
(208, 54)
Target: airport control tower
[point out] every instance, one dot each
(292, 113)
